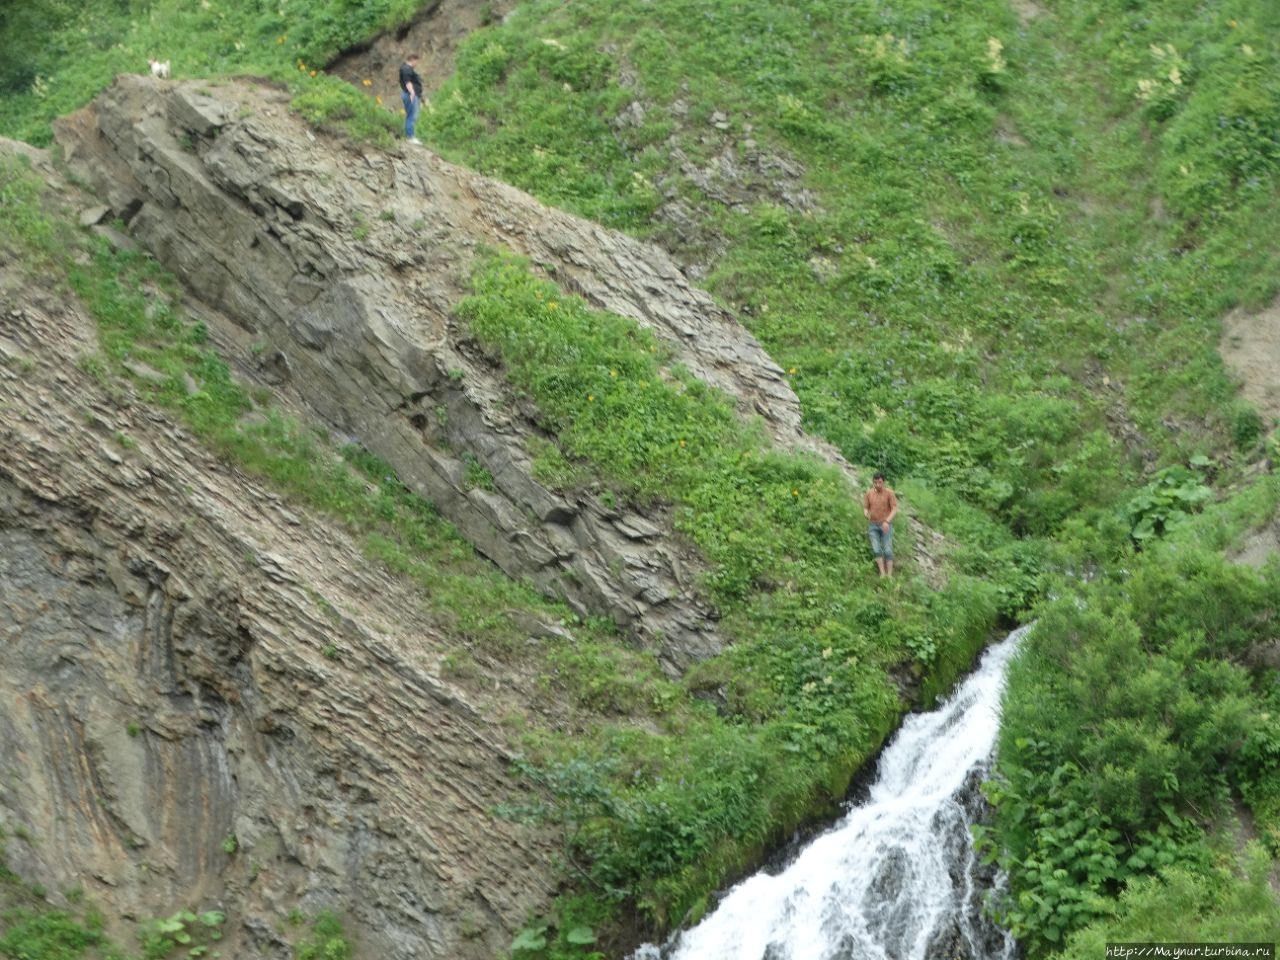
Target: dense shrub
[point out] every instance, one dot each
(1129, 723)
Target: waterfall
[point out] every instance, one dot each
(896, 878)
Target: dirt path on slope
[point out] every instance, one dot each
(1250, 347)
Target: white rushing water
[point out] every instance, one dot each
(894, 879)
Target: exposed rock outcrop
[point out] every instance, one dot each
(209, 698)
(341, 268)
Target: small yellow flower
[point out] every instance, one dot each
(378, 100)
(795, 493)
(367, 83)
(313, 73)
(790, 370)
(591, 398)
(552, 305)
(995, 58)
(1232, 24)
(280, 39)
(682, 443)
(613, 373)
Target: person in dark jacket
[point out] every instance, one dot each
(410, 95)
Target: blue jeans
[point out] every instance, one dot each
(411, 108)
(881, 541)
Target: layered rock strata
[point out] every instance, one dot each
(211, 699)
(338, 267)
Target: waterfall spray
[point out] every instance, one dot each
(896, 878)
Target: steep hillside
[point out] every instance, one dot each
(334, 273)
(1000, 251)
(211, 697)
(212, 623)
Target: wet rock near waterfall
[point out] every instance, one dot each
(970, 934)
(888, 913)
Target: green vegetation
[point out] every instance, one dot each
(946, 307)
(1137, 719)
(31, 929)
(339, 108)
(991, 254)
(806, 682)
(1173, 494)
(327, 940)
(42, 933)
(185, 933)
(87, 44)
(533, 943)
(1218, 905)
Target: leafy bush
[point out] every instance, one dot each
(567, 934)
(1173, 493)
(1066, 855)
(1233, 903)
(327, 940)
(190, 932)
(1128, 722)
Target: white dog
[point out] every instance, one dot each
(159, 69)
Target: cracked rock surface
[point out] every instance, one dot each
(338, 267)
(188, 659)
(193, 666)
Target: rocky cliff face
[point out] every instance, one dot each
(340, 267)
(186, 658)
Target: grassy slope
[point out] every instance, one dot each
(639, 812)
(1006, 292)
